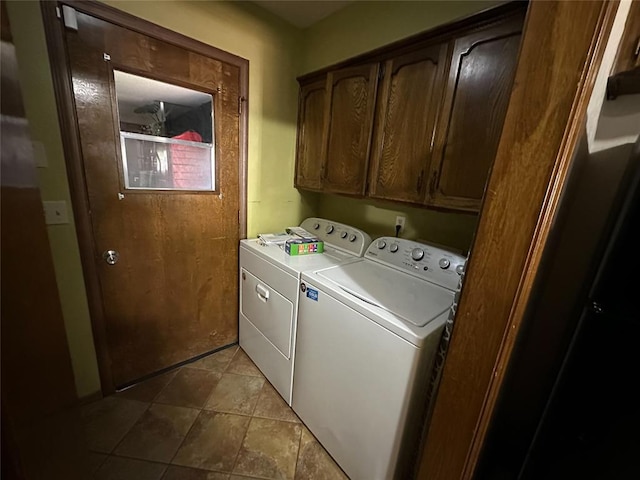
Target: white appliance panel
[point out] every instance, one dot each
(264, 324)
(355, 384)
(275, 366)
(415, 301)
(268, 311)
(282, 281)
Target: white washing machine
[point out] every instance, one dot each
(269, 286)
(367, 335)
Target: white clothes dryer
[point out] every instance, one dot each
(367, 335)
(269, 290)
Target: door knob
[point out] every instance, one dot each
(111, 256)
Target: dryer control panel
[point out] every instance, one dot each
(344, 237)
(427, 262)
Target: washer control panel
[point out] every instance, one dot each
(418, 259)
(344, 237)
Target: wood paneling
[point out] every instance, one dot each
(173, 293)
(537, 143)
(350, 107)
(479, 83)
(408, 102)
(234, 103)
(311, 134)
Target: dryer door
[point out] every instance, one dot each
(270, 312)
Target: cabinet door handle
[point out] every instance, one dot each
(419, 183)
(263, 292)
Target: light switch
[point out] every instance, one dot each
(55, 213)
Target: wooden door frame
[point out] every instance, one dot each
(560, 55)
(69, 130)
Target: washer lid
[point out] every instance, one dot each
(415, 301)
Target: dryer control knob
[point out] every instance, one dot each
(460, 269)
(329, 229)
(316, 226)
(393, 248)
(417, 254)
(353, 237)
(444, 263)
(381, 244)
(343, 234)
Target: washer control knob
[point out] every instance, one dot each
(393, 247)
(444, 263)
(460, 269)
(417, 254)
(316, 226)
(330, 229)
(381, 244)
(343, 234)
(352, 237)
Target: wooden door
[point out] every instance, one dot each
(407, 106)
(311, 134)
(172, 294)
(349, 122)
(477, 93)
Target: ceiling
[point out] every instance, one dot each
(303, 13)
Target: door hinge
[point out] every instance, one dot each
(70, 17)
(240, 102)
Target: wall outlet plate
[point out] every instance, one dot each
(55, 213)
(400, 219)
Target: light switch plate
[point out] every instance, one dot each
(55, 213)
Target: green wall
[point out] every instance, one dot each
(358, 28)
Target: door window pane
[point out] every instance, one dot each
(166, 135)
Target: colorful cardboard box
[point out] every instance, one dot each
(303, 246)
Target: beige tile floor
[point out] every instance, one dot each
(215, 419)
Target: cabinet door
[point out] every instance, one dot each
(350, 106)
(407, 105)
(478, 87)
(311, 122)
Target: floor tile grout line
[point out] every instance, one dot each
(185, 436)
(244, 436)
(119, 442)
(295, 472)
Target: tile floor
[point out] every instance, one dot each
(214, 419)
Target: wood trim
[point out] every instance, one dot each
(538, 141)
(550, 208)
(63, 88)
(439, 34)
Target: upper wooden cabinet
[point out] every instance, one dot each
(350, 106)
(311, 119)
(483, 65)
(408, 100)
(417, 122)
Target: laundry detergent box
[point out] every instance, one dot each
(303, 246)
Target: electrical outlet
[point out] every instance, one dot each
(400, 221)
